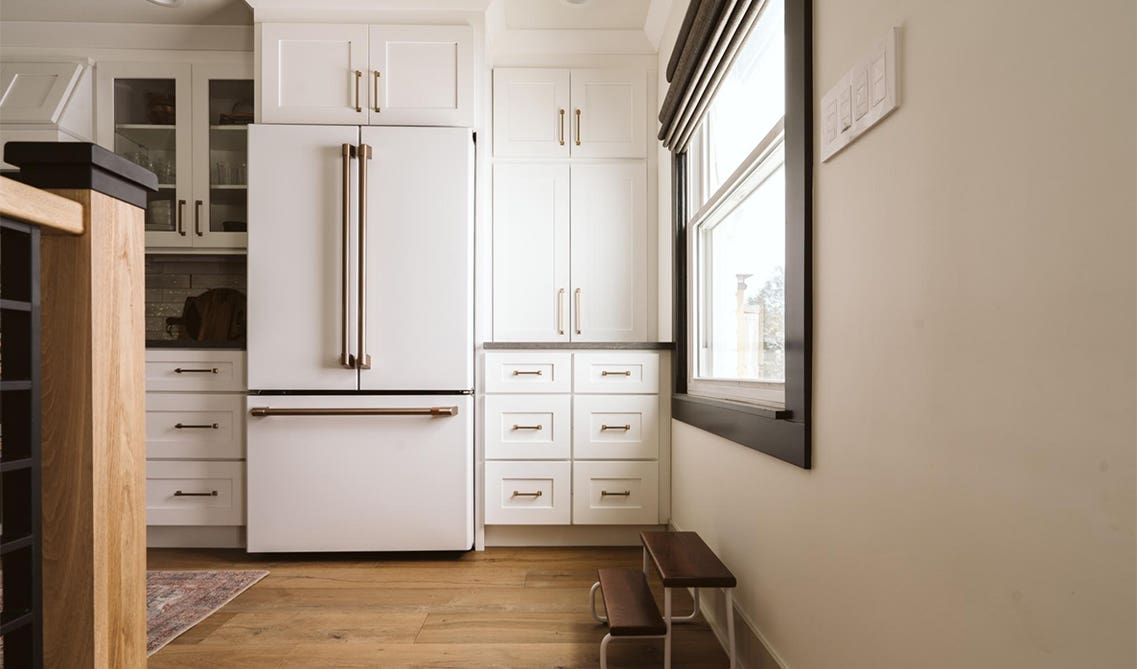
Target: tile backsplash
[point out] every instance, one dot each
(170, 279)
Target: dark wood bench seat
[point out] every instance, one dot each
(684, 561)
(630, 605)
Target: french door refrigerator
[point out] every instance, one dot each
(360, 338)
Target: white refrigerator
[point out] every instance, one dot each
(360, 338)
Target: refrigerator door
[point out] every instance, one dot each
(419, 255)
(296, 314)
(360, 482)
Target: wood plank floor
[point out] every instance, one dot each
(505, 607)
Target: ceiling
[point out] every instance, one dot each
(562, 15)
(196, 12)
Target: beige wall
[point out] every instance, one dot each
(972, 502)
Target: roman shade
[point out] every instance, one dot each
(710, 38)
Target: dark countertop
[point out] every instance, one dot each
(602, 346)
(189, 344)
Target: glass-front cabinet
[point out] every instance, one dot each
(189, 125)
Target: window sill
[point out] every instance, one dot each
(766, 429)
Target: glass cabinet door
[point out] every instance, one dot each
(223, 110)
(146, 119)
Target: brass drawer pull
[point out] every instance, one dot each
(179, 493)
(625, 428)
(358, 76)
(528, 427)
(186, 370)
(519, 372)
(526, 494)
(605, 493)
(561, 136)
(626, 372)
(186, 426)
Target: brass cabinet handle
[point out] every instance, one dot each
(265, 412)
(186, 370)
(533, 372)
(197, 218)
(185, 426)
(578, 127)
(526, 494)
(626, 372)
(179, 493)
(561, 136)
(362, 360)
(576, 308)
(625, 493)
(358, 76)
(377, 109)
(625, 428)
(561, 308)
(528, 427)
(346, 358)
(181, 217)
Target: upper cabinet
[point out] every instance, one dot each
(189, 125)
(36, 92)
(559, 113)
(366, 75)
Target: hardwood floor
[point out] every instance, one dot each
(504, 607)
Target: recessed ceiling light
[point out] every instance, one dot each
(166, 3)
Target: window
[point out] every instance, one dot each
(736, 230)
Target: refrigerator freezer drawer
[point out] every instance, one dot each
(324, 476)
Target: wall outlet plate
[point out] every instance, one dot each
(873, 87)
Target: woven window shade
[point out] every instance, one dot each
(709, 40)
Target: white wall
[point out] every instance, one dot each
(972, 502)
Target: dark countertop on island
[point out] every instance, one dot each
(602, 346)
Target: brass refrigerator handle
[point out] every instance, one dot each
(346, 358)
(561, 136)
(362, 360)
(197, 218)
(561, 311)
(576, 311)
(264, 412)
(377, 109)
(578, 127)
(358, 76)
(181, 217)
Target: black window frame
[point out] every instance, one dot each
(782, 433)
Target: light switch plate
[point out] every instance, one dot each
(862, 97)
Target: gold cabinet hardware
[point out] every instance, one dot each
(526, 494)
(265, 412)
(358, 76)
(625, 428)
(578, 127)
(528, 427)
(185, 426)
(561, 136)
(376, 82)
(362, 360)
(179, 493)
(532, 372)
(561, 308)
(625, 493)
(606, 372)
(197, 218)
(181, 217)
(187, 370)
(576, 308)
(347, 360)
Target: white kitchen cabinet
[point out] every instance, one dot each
(195, 426)
(615, 493)
(528, 372)
(313, 73)
(528, 427)
(195, 493)
(531, 252)
(616, 427)
(422, 75)
(36, 92)
(609, 252)
(528, 493)
(355, 74)
(194, 370)
(558, 113)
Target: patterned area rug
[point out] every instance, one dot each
(178, 600)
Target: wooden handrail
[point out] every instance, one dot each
(47, 210)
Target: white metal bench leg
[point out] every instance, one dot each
(604, 651)
(592, 603)
(730, 625)
(667, 621)
(694, 611)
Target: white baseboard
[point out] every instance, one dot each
(566, 535)
(214, 536)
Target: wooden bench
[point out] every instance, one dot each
(631, 608)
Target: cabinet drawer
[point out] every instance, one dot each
(528, 427)
(182, 370)
(195, 426)
(528, 493)
(615, 493)
(195, 493)
(618, 372)
(528, 372)
(616, 427)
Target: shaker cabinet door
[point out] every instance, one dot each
(313, 73)
(609, 113)
(531, 113)
(421, 75)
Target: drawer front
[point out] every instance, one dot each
(528, 427)
(615, 493)
(616, 427)
(528, 372)
(619, 372)
(184, 370)
(195, 493)
(189, 426)
(528, 493)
